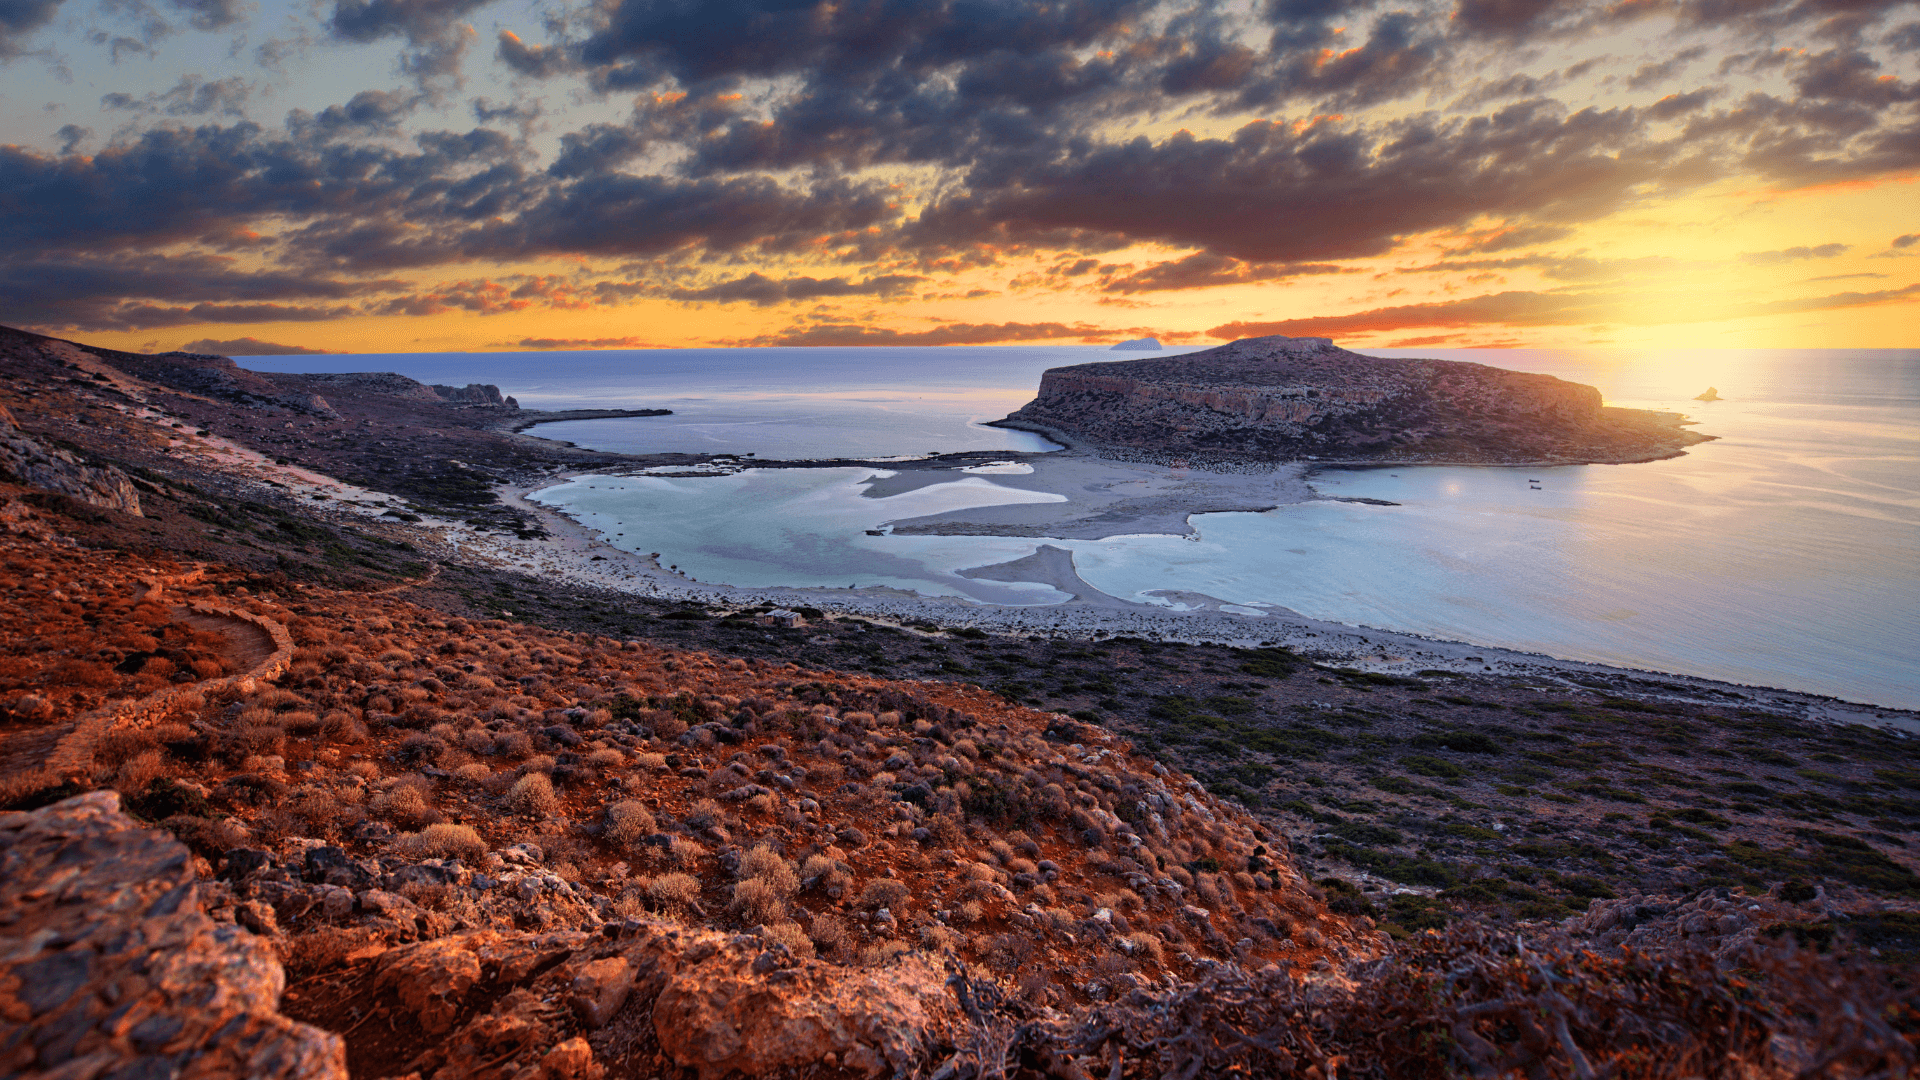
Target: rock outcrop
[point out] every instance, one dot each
(109, 967)
(27, 460)
(1279, 398)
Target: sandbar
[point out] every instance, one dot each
(1104, 497)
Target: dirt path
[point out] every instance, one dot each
(257, 648)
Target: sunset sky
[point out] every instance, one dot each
(270, 176)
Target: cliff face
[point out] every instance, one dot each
(1279, 398)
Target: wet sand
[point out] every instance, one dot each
(1103, 497)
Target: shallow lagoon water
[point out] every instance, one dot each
(1787, 553)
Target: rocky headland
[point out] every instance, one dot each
(1285, 399)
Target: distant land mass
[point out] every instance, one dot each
(1139, 344)
(1280, 398)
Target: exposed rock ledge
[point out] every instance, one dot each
(1280, 398)
(109, 967)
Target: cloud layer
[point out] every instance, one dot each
(794, 156)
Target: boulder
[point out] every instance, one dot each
(109, 965)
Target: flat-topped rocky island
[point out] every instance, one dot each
(1288, 399)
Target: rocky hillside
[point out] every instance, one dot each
(280, 798)
(1278, 398)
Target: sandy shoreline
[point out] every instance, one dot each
(575, 556)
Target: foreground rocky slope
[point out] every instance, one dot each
(1279, 398)
(669, 842)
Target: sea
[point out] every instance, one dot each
(1785, 553)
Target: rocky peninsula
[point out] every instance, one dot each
(1284, 399)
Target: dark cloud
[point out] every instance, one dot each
(1792, 254)
(1271, 193)
(1652, 75)
(1681, 104)
(71, 136)
(248, 346)
(583, 343)
(841, 335)
(211, 14)
(18, 21)
(1508, 237)
(366, 112)
(418, 21)
(191, 96)
(1906, 241)
(1504, 18)
(762, 291)
(533, 61)
(1545, 309)
(1204, 269)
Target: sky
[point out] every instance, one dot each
(281, 176)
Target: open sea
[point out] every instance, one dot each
(1787, 553)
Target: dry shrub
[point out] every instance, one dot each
(764, 864)
(514, 744)
(675, 892)
(607, 758)
(829, 932)
(420, 748)
(650, 761)
(937, 938)
(705, 814)
(443, 841)
(757, 901)
(301, 722)
(533, 795)
(968, 912)
(1007, 952)
(405, 805)
(141, 770)
(82, 673)
(629, 906)
(882, 951)
(473, 772)
(478, 741)
(1479, 1001)
(628, 822)
(1144, 944)
(792, 938)
(340, 726)
(123, 743)
(882, 893)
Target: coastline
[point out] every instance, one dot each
(576, 556)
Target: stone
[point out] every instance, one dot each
(599, 990)
(432, 979)
(109, 965)
(719, 1017)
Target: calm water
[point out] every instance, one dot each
(1786, 553)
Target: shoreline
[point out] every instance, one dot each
(577, 556)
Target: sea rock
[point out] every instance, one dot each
(109, 965)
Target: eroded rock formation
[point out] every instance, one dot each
(109, 967)
(1279, 398)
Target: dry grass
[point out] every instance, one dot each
(443, 841)
(533, 795)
